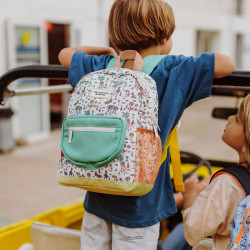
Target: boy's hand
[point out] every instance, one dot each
(206, 180)
(193, 185)
(192, 188)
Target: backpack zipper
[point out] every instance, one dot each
(156, 127)
(155, 123)
(87, 129)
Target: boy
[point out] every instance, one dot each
(119, 222)
(211, 212)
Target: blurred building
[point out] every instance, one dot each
(34, 31)
(217, 26)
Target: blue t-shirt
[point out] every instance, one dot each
(180, 82)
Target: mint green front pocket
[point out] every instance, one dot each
(92, 142)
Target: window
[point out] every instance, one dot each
(239, 7)
(238, 51)
(206, 41)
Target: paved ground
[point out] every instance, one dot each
(28, 181)
(28, 174)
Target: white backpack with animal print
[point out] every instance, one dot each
(110, 142)
(240, 233)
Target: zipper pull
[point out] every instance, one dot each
(70, 134)
(156, 131)
(179, 124)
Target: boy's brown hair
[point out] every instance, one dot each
(139, 24)
(244, 115)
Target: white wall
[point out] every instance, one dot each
(90, 18)
(89, 21)
(88, 24)
(211, 15)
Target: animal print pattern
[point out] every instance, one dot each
(240, 233)
(134, 98)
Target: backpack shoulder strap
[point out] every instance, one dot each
(112, 63)
(239, 173)
(172, 143)
(149, 63)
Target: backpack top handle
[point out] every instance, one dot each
(130, 55)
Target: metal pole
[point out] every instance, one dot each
(235, 84)
(43, 90)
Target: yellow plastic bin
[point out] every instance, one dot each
(67, 216)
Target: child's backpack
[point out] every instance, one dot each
(240, 234)
(110, 142)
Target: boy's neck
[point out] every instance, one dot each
(242, 158)
(153, 50)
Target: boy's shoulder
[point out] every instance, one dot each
(180, 61)
(239, 173)
(181, 67)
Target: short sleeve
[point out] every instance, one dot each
(82, 64)
(195, 76)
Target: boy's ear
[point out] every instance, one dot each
(164, 41)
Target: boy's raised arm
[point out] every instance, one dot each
(223, 65)
(66, 54)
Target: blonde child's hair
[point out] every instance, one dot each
(139, 24)
(244, 115)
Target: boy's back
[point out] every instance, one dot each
(180, 81)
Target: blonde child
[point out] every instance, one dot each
(120, 222)
(210, 212)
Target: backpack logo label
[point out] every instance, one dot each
(100, 93)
